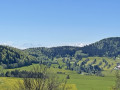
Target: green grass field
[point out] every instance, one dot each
(77, 81)
(7, 83)
(92, 82)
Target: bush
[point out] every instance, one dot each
(48, 81)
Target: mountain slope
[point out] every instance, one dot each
(61, 51)
(12, 57)
(109, 47)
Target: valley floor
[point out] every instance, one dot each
(76, 81)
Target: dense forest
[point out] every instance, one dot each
(109, 47)
(62, 51)
(12, 57)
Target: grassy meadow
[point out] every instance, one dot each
(76, 81)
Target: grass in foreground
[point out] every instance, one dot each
(77, 81)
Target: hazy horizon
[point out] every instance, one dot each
(31, 45)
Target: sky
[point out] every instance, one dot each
(38, 23)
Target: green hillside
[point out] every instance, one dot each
(99, 56)
(12, 57)
(61, 51)
(109, 47)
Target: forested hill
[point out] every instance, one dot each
(61, 51)
(109, 47)
(64, 50)
(12, 57)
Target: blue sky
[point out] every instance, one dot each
(27, 23)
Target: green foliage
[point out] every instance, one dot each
(11, 57)
(109, 47)
(40, 79)
(81, 82)
(117, 83)
(58, 52)
(79, 55)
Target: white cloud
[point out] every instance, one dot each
(12, 44)
(80, 44)
(20, 46)
(30, 45)
(7, 43)
(67, 44)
